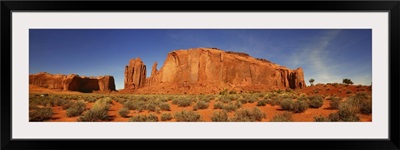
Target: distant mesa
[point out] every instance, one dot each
(209, 70)
(73, 82)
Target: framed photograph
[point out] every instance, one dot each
(121, 75)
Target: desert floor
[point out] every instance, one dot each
(118, 101)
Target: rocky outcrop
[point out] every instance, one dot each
(135, 74)
(153, 79)
(72, 82)
(195, 68)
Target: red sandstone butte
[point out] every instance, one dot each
(208, 70)
(72, 82)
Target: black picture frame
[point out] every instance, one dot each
(393, 7)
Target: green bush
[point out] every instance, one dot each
(287, 104)
(200, 105)
(165, 106)
(143, 118)
(334, 117)
(166, 116)
(67, 104)
(362, 102)
(76, 109)
(242, 100)
(273, 101)
(252, 98)
(218, 105)
(219, 116)
(299, 106)
(321, 119)
(40, 114)
(99, 111)
(224, 92)
(152, 118)
(366, 106)
(124, 112)
(151, 107)
(182, 101)
(231, 106)
(316, 101)
(233, 97)
(225, 99)
(248, 115)
(284, 117)
(187, 116)
(135, 105)
(262, 102)
(335, 102)
(347, 112)
(138, 118)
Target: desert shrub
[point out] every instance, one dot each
(315, 101)
(224, 99)
(362, 102)
(302, 97)
(187, 116)
(135, 105)
(99, 111)
(182, 101)
(231, 106)
(56, 102)
(366, 107)
(151, 107)
(123, 112)
(233, 97)
(40, 114)
(274, 101)
(218, 105)
(165, 106)
(334, 117)
(321, 119)
(232, 92)
(262, 102)
(138, 118)
(91, 99)
(248, 115)
(164, 98)
(279, 91)
(152, 118)
(200, 105)
(223, 92)
(347, 112)
(67, 104)
(284, 117)
(219, 116)
(143, 118)
(242, 100)
(299, 106)
(252, 98)
(76, 109)
(166, 116)
(335, 102)
(287, 104)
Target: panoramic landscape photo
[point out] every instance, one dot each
(200, 75)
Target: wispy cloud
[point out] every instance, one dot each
(316, 61)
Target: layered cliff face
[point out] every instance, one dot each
(200, 67)
(135, 74)
(72, 82)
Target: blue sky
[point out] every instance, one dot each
(326, 55)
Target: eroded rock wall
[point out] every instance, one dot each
(72, 82)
